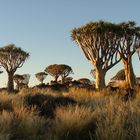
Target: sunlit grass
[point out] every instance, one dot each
(97, 115)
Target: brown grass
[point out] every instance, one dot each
(96, 116)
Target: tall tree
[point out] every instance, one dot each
(12, 58)
(41, 76)
(54, 71)
(65, 71)
(99, 42)
(129, 43)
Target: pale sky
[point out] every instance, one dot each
(43, 28)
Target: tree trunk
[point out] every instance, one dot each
(56, 78)
(100, 78)
(62, 79)
(10, 85)
(17, 86)
(41, 82)
(129, 73)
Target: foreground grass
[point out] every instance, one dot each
(90, 115)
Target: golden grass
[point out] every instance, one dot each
(96, 116)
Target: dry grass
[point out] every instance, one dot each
(96, 116)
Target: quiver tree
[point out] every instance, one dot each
(68, 79)
(129, 43)
(84, 81)
(41, 76)
(54, 71)
(120, 75)
(21, 80)
(12, 58)
(18, 79)
(99, 42)
(65, 71)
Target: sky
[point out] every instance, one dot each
(43, 28)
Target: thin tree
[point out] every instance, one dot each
(129, 43)
(99, 42)
(12, 58)
(41, 76)
(65, 71)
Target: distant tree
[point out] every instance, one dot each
(65, 71)
(54, 71)
(18, 79)
(68, 79)
(120, 75)
(93, 73)
(128, 44)
(99, 42)
(21, 80)
(84, 81)
(12, 58)
(41, 76)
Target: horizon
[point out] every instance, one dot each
(43, 28)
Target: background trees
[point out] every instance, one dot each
(120, 75)
(41, 76)
(18, 79)
(99, 42)
(21, 80)
(65, 71)
(57, 70)
(84, 81)
(54, 71)
(12, 58)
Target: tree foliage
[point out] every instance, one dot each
(54, 71)
(21, 80)
(65, 71)
(120, 75)
(57, 70)
(12, 58)
(99, 42)
(84, 81)
(41, 76)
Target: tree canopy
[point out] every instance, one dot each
(41, 76)
(54, 71)
(99, 42)
(120, 75)
(65, 71)
(12, 58)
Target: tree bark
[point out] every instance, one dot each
(10, 86)
(129, 73)
(100, 78)
(56, 78)
(62, 79)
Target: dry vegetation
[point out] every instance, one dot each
(79, 114)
